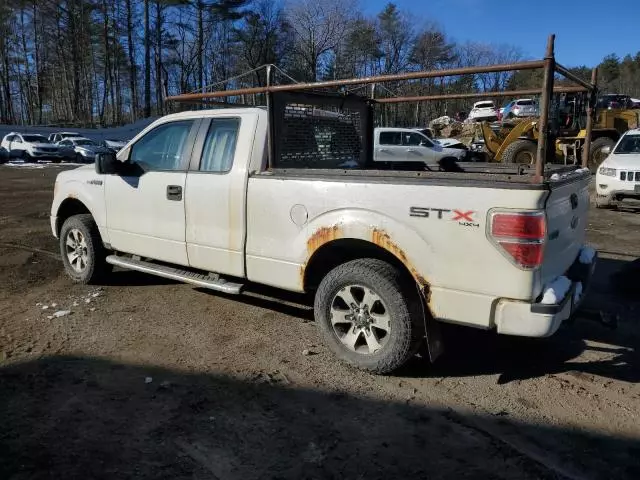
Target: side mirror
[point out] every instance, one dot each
(606, 150)
(106, 163)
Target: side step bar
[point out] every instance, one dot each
(212, 282)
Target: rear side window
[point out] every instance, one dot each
(220, 145)
(525, 103)
(163, 147)
(390, 138)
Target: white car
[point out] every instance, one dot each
(82, 150)
(114, 145)
(56, 137)
(483, 111)
(523, 107)
(30, 147)
(618, 177)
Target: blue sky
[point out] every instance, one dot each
(584, 33)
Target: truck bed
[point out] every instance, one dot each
(478, 174)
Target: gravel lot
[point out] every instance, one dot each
(147, 378)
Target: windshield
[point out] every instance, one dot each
(485, 105)
(85, 142)
(629, 144)
(35, 139)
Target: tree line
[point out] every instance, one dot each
(109, 62)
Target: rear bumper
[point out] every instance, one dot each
(543, 320)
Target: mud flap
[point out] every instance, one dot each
(432, 330)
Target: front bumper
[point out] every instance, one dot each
(45, 154)
(542, 320)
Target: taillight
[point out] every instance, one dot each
(520, 235)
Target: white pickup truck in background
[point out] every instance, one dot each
(408, 145)
(386, 254)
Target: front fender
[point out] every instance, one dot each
(404, 243)
(89, 192)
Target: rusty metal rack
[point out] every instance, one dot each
(280, 110)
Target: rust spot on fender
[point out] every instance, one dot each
(322, 236)
(319, 238)
(383, 240)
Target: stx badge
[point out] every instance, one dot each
(464, 218)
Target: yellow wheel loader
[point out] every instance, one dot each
(517, 143)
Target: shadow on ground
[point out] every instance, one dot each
(80, 418)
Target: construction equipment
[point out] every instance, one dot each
(516, 142)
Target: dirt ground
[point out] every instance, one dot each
(147, 378)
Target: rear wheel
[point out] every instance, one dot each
(369, 315)
(520, 151)
(596, 155)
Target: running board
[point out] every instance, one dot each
(212, 282)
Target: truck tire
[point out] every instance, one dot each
(596, 157)
(369, 315)
(520, 151)
(82, 251)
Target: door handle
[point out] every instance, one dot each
(384, 150)
(174, 192)
(410, 150)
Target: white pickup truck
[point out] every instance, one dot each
(404, 145)
(387, 254)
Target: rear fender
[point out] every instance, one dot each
(396, 238)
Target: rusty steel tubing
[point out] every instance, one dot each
(586, 148)
(545, 103)
(573, 77)
(507, 67)
(453, 96)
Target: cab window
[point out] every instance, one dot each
(220, 145)
(163, 148)
(390, 138)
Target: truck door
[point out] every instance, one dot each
(389, 147)
(145, 202)
(216, 194)
(417, 147)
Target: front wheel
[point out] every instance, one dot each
(520, 151)
(369, 315)
(82, 251)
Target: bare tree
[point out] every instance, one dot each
(147, 60)
(319, 27)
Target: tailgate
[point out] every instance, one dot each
(567, 208)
